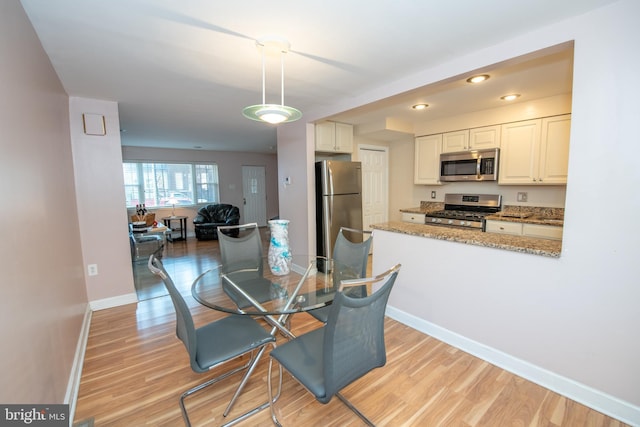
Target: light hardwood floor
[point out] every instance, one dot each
(135, 370)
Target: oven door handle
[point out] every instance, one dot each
(478, 166)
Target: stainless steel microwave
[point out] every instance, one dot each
(474, 165)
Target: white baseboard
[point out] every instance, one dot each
(71, 395)
(601, 402)
(101, 304)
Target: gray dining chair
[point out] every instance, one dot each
(241, 247)
(350, 345)
(350, 260)
(241, 252)
(214, 344)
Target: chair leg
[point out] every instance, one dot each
(243, 382)
(202, 386)
(355, 410)
(257, 408)
(250, 365)
(274, 418)
(272, 401)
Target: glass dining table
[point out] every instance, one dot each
(250, 288)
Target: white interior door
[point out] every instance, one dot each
(255, 197)
(375, 184)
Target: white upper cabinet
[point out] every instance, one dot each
(334, 137)
(455, 141)
(484, 137)
(471, 139)
(518, 160)
(427, 160)
(554, 150)
(535, 151)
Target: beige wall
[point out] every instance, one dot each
(42, 292)
(229, 171)
(99, 187)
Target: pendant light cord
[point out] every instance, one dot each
(263, 78)
(282, 78)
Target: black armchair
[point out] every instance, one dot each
(210, 217)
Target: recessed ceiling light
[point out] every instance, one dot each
(420, 106)
(478, 79)
(510, 97)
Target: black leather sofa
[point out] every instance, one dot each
(210, 217)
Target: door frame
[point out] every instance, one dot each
(385, 149)
(260, 219)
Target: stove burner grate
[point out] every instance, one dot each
(453, 214)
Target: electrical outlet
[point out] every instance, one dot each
(433, 194)
(92, 269)
(522, 196)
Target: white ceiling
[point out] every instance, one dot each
(182, 71)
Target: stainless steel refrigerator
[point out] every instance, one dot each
(338, 202)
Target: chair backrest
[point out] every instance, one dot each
(354, 333)
(243, 251)
(351, 257)
(185, 328)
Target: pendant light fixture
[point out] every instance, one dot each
(272, 113)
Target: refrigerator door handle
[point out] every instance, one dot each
(327, 209)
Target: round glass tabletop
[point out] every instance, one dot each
(249, 286)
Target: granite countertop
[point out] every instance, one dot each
(521, 214)
(529, 245)
(530, 215)
(425, 207)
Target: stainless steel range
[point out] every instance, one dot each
(465, 210)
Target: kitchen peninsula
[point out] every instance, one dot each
(529, 245)
(536, 216)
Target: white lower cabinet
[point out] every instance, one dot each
(540, 231)
(504, 227)
(413, 217)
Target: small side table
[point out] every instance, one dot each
(182, 227)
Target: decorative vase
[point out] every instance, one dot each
(279, 256)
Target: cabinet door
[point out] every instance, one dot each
(554, 150)
(519, 152)
(344, 138)
(504, 227)
(542, 231)
(484, 137)
(325, 136)
(413, 217)
(427, 159)
(455, 141)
